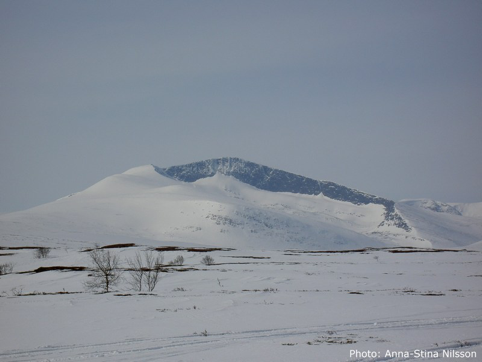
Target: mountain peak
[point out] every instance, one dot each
(274, 180)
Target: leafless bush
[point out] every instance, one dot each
(17, 292)
(207, 260)
(145, 271)
(106, 272)
(178, 261)
(42, 253)
(136, 271)
(153, 265)
(6, 268)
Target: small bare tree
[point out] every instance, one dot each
(42, 252)
(106, 272)
(178, 261)
(153, 266)
(145, 271)
(207, 260)
(6, 268)
(136, 271)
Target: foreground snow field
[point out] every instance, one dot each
(252, 305)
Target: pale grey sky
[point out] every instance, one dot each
(381, 96)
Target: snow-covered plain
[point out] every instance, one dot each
(272, 297)
(252, 305)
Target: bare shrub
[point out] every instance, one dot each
(178, 261)
(145, 271)
(153, 266)
(105, 273)
(42, 252)
(17, 292)
(136, 271)
(6, 268)
(207, 260)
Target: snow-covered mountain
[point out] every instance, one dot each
(230, 202)
(269, 179)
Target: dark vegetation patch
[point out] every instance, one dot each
(247, 257)
(111, 246)
(338, 340)
(331, 339)
(193, 249)
(6, 254)
(117, 246)
(267, 290)
(19, 247)
(168, 248)
(164, 310)
(50, 268)
(429, 293)
(396, 250)
(46, 293)
(133, 295)
(167, 269)
(171, 269)
(364, 250)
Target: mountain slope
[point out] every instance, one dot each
(220, 210)
(446, 225)
(232, 203)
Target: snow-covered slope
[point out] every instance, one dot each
(269, 179)
(446, 225)
(475, 246)
(230, 202)
(471, 210)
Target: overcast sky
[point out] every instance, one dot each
(381, 96)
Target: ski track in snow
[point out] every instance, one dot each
(155, 349)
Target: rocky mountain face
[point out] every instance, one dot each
(274, 180)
